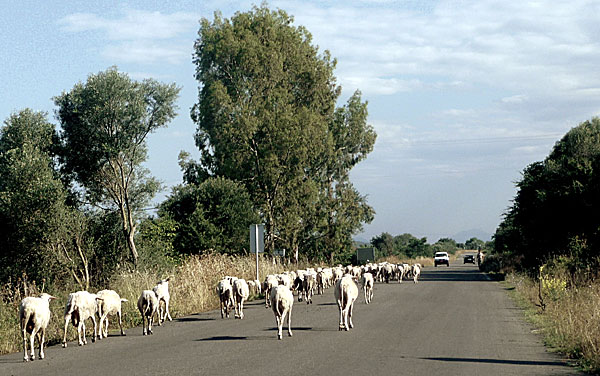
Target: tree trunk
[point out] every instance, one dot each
(129, 232)
(132, 248)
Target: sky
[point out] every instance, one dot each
(463, 95)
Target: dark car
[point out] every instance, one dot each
(469, 258)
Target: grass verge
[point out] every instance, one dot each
(570, 321)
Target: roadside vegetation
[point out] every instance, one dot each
(548, 244)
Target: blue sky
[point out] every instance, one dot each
(462, 94)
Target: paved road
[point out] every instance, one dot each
(454, 322)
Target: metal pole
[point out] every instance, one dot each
(256, 243)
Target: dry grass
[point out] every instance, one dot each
(571, 318)
(424, 261)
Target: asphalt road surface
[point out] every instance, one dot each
(453, 322)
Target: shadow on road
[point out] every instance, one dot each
(193, 319)
(500, 361)
(472, 275)
(13, 361)
(222, 338)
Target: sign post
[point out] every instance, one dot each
(257, 242)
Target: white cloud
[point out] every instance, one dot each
(140, 36)
(527, 47)
(133, 25)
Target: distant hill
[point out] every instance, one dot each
(360, 241)
(463, 236)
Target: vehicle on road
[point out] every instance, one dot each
(469, 259)
(441, 258)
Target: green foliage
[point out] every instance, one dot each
(474, 243)
(105, 123)
(266, 118)
(555, 207)
(407, 245)
(33, 212)
(212, 216)
(385, 245)
(445, 245)
(155, 239)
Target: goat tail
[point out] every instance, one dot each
(341, 295)
(277, 303)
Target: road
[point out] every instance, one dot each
(453, 322)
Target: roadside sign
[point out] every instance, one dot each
(365, 254)
(257, 238)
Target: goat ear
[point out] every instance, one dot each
(168, 278)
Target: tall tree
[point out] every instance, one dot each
(105, 123)
(43, 233)
(266, 117)
(351, 140)
(264, 105)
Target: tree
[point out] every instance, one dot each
(418, 247)
(105, 123)
(445, 245)
(474, 243)
(352, 139)
(43, 233)
(554, 210)
(214, 215)
(266, 117)
(384, 244)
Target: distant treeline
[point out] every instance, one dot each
(409, 246)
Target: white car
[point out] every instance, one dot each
(441, 258)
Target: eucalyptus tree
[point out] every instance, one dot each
(267, 117)
(105, 123)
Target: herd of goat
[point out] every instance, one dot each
(34, 312)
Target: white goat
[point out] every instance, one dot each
(34, 316)
(401, 272)
(81, 306)
(416, 271)
(241, 292)
(310, 280)
(162, 293)
(368, 281)
(346, 293)
(225, 292)
(254, 286)
(338, 273)
(285, 279)
(148, 306)
(109, 305)
(269, 283)
(282, 301)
